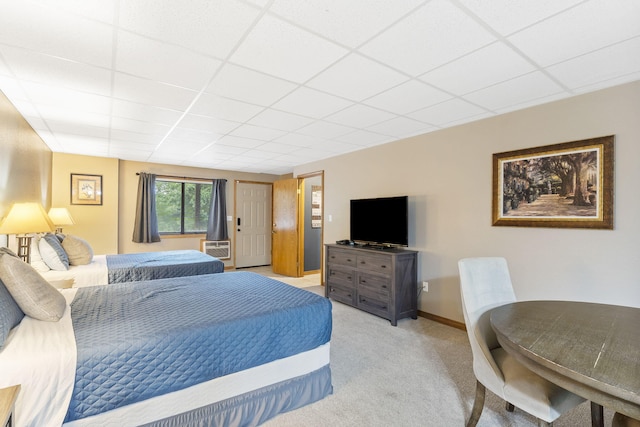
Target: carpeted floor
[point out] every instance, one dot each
(416, 374)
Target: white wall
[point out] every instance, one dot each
(448, 176)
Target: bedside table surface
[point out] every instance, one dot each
(8, 397)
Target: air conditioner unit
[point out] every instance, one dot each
(220, 249)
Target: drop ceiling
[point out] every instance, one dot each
(266, 85)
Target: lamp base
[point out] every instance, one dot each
(24, 248)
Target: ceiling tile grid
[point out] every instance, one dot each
(263, 86)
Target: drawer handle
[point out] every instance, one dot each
(349, 277)
(363, 281)
(383, 266)
(348, 259)
(384, 286)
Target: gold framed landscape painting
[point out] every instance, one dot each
(568, 185)
(86, 189)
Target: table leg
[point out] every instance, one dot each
(597, 415)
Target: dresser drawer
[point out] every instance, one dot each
(344, 295)
(343, 257)
(342, 276)
(380, 264)
(379, 285)
(371, 303)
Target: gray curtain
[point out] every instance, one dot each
(217, 226)
(145, 229)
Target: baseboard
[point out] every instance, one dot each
(443, 320)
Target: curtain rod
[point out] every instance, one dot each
(184, 177)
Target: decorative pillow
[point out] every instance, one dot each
(7, 251)
(34, 295)
(78, 250)
(10, 313)
(36, 259)
(52, 253)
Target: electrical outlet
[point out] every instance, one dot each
(425, 286)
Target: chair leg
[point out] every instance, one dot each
(597, 415)
(509, 407)
(542, 423)
(478, 404)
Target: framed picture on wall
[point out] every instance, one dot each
(567, 185)
(86, 189)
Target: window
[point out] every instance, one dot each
(182, 206)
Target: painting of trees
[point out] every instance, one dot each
(561, 181)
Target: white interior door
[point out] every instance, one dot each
(253, 224)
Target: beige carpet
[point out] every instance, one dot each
(416, 374)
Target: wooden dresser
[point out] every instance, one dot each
(379, 281)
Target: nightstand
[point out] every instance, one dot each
(8, 398)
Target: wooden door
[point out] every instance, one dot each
(253, 224)
(285, 233)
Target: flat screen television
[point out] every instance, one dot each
(381, 221)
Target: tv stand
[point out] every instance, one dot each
(381, 282)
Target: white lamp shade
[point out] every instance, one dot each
(26, 218)
(61, 216)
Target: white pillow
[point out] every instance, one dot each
(78, 250)
(52, 253)
(36, 259)
(34, 295)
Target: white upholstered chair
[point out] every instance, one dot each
(484, 284)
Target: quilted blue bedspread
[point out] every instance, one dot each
(136, 342)
(160, 265)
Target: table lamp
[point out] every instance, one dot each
(25, 218)
(60, 217)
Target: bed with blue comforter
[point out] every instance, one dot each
(154, 338)
(160, 265)
(118, 268)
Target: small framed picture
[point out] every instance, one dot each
(86, 189)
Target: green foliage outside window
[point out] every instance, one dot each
(182, 207)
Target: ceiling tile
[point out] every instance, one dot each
(249, 85)
(238, 142)
(299, 140)
(152, 93)
(148, 139)
(363, 138)
(280, 120)
(322, 129)
(434, 32)
(99, 10)
(360, 116)
(601, 65)
(349, 79)
(275, 147)
(49, 70)
(572, 33)
(448, 111)
(69, 99)
(56, 33)
(525, 88)
(143, 112)
(256, 132)
(348, 22)
(193, 121)
(400, 127)
(312, 103)
(163, 62)
(283, 50)
(508, 16)
(223, 108)
(200, 137)
(407, 97)
(212, 27)
(484, 67)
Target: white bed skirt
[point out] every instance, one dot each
(219, 390)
